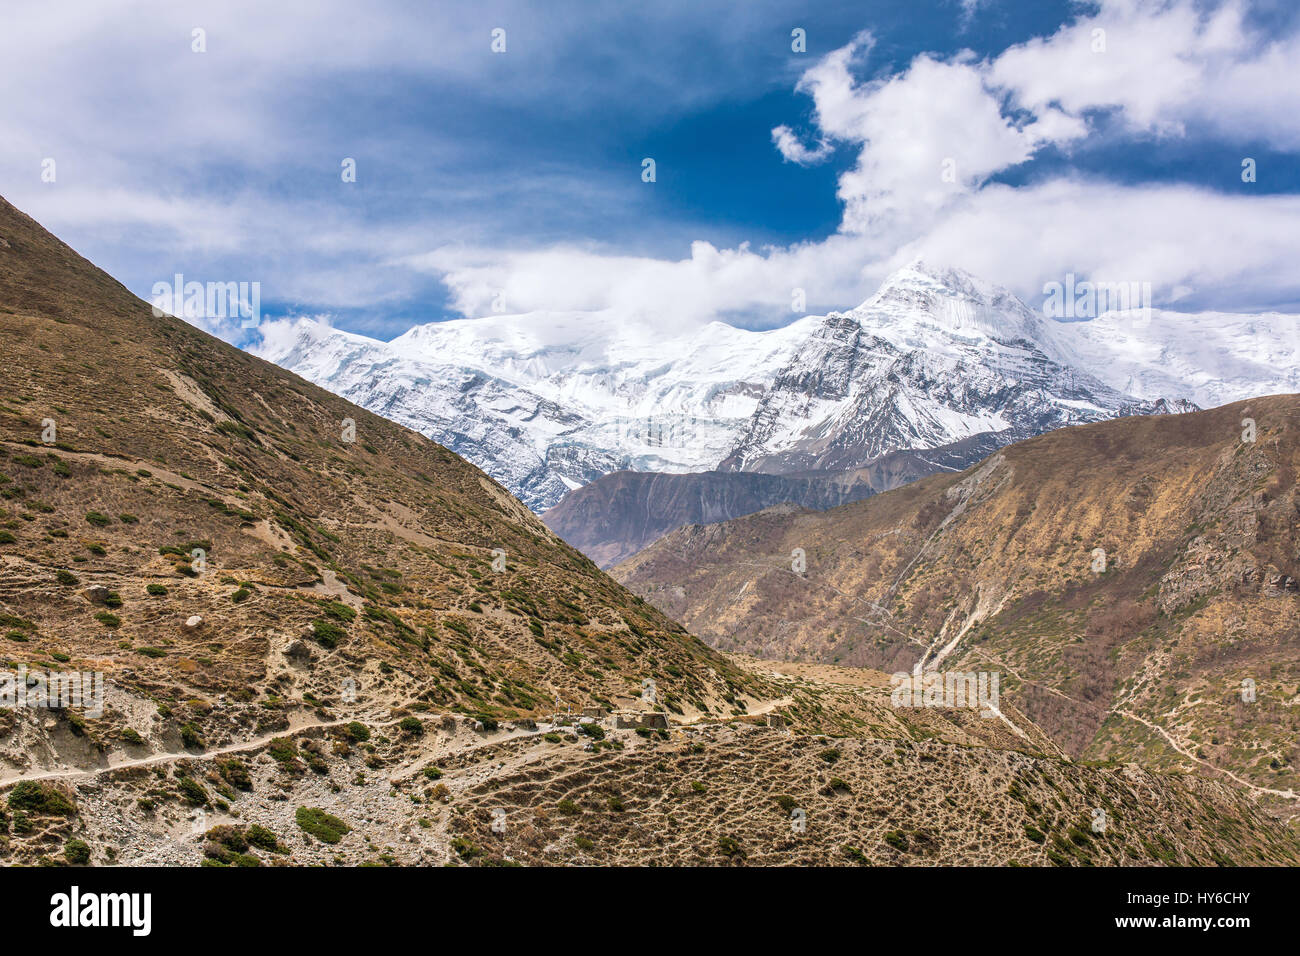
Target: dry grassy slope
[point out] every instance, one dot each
(169, 439)
(725, 794)
(1200, 591)
(711, 794)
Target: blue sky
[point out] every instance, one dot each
(515, 176)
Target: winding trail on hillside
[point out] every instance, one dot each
(14, 775)
(18, 776)
(1286, 794)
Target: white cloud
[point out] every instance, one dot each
(1161, 69)
(665, 293)
(926, 135)
(1168, 69)
(793, 151)
(1184, 240)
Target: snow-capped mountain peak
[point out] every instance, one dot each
(950, 301)
(937, 359)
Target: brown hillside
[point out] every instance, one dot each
(332, 567)
(992, 569)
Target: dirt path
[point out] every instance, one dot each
(17, 776)
(1286, 794)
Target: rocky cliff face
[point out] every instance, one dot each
(617, 515)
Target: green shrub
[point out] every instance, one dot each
(327, 633)
(192, 791)
(108, 620)
(323, 826)
(729, 846)
(339, 611)
(157, 590)
(232, 838)
(358, 731)
(412, 726)
(282, 749)
(465, 849)
(235, 774)
(77, 852)
(264, 839)
(33, 797)
(98, 518)
(66, 577)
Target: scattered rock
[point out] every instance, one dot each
(193, 623)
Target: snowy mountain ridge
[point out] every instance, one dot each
(546, 402)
